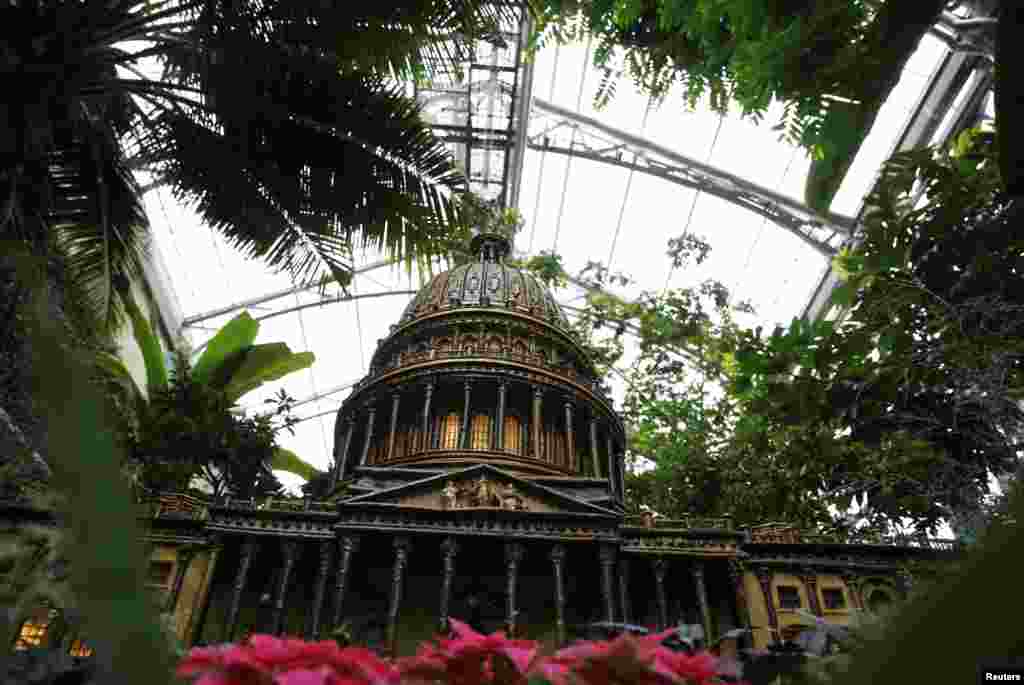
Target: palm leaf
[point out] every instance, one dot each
(233, 338)
(286, 460)
(262, 364)
(298, 164)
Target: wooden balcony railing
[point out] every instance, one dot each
(701, 523)
(781, 533)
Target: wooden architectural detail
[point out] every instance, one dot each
(499, 421)
(537, 421)
(513, 557)
(341, 455)
(368, 442)
(482, 494)
(319, 591)
(449, 548)
(853, 587)
(289, 552)
(558, 565)
(245, 559)
(660, 567)
(425, 439)
(607, 558)
(347, 546)
(396, 400)
(467, 412)
(810, 580)
(700, 586)
(397, 577)
(185, 554)
(764, 577)
(627, 607)
(595, 455)
(570, 438)
(736, 575)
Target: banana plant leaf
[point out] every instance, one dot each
(152, 354)
(264, 363)
(115, 370)
(233, 338)
(286, 460)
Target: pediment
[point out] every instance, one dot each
(479, 488)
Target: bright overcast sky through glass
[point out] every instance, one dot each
(572, 206)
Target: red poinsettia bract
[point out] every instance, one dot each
(468, 658)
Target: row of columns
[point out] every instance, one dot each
(344, 444)
(449, 548)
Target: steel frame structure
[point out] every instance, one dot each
(562, 131)
(480, 111)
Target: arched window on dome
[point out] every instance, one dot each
(480, 432)
(448, 432)
(494, 345)
(469, 345)
(511, 435)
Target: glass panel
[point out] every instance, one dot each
(450, 432)
(511, 434)
(480, 432)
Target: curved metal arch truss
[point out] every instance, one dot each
(563, 131)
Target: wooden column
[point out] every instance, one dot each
(810, 579)
(466, 409)
(397, 576)
(627, 608)
(346, 548)
(396, 400)
(184, 558)
(764, 576)
(595, 455)
(697, 570)
(607, 556)
(197, 619)
(513, 556)
(558, 561)
(289, 551)
(248, 549)
(449, 548)
(660, 569)
(736, 572)
(425, 429)
(538, 394)
(612, 471)
(319, 591)
(570, 438)
(341, 456)
(853, 582)
(499, 432)
(369, 435)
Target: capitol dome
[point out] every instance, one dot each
(483, 368)
(487, 281)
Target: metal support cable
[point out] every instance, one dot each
(696, 195)
(568, 164)
(629, 185)
(543, 154)
(312, 377)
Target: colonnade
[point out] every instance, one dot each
(482, 418)
(449, 548)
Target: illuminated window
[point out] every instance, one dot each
(480, 432)
(33, 630)
(79, 648)
(450, 432)
(789, 597)
(834, 599)
(511, 436)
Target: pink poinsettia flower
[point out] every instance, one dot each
(270, 660)
(622, 660)
(471, 658)
(697, 669)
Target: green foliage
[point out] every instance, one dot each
(234, 337)
(831, 63)
(286, 460)
(102, 535)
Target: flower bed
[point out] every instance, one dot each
(466, 658)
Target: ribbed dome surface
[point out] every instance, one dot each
(486, 283)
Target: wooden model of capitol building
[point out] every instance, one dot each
(479, 474)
